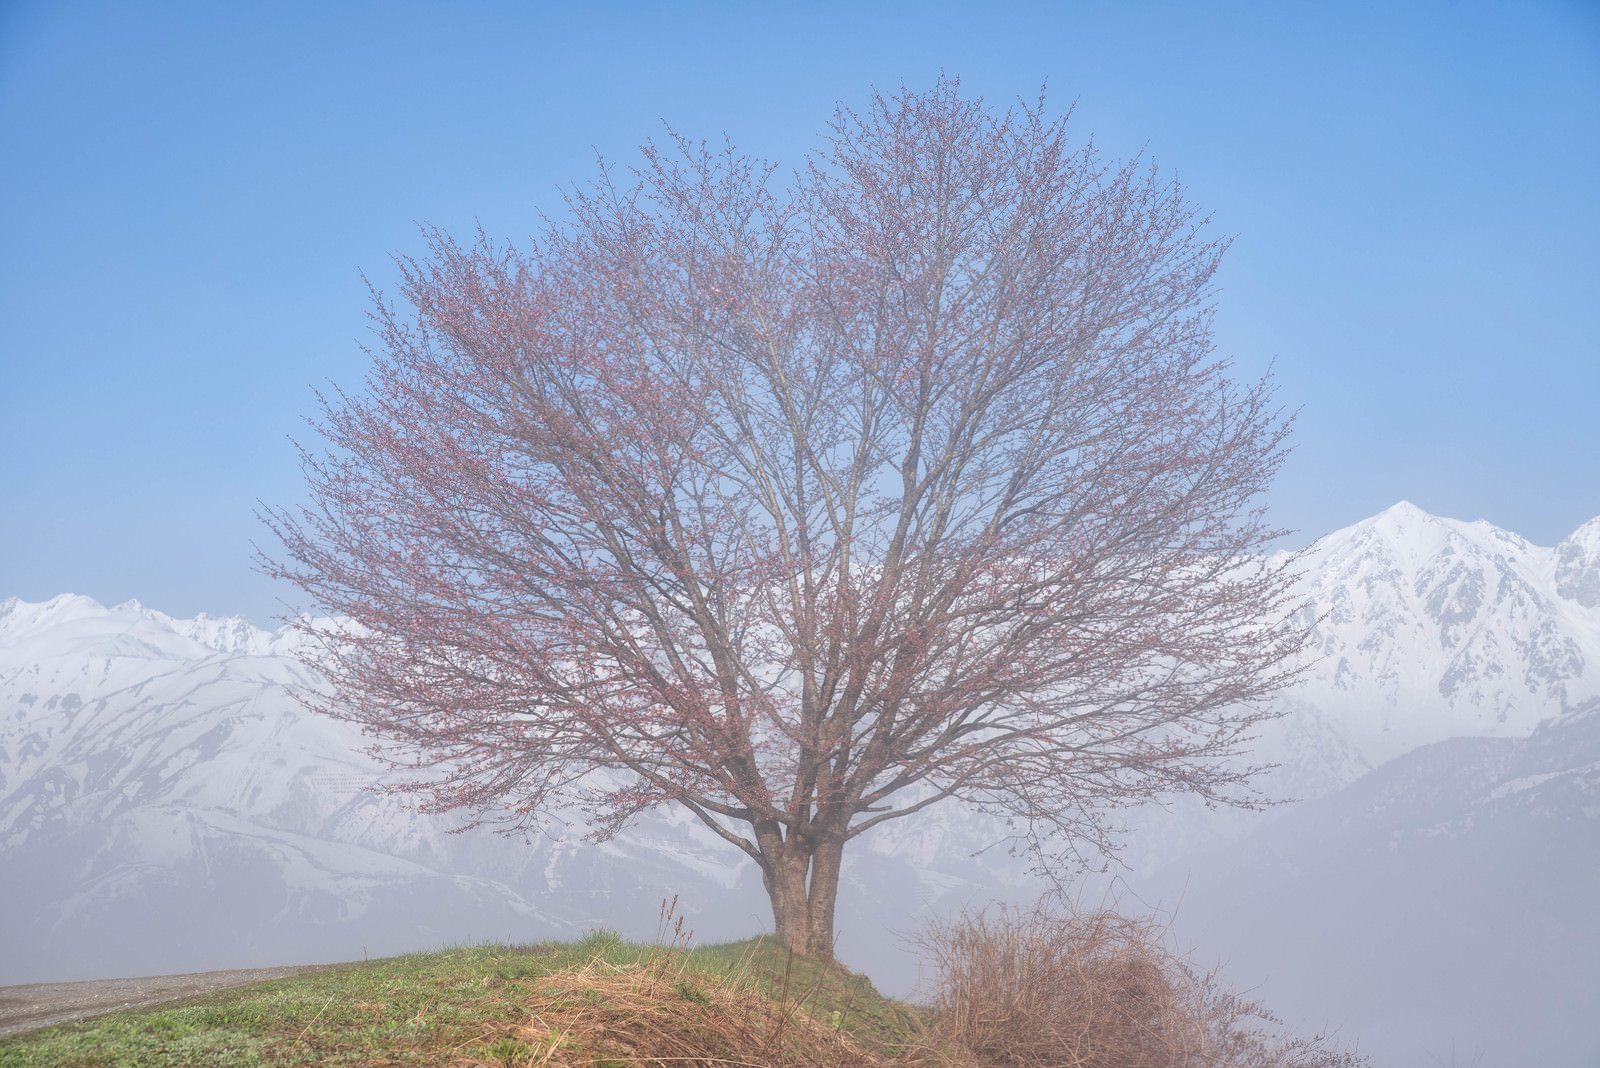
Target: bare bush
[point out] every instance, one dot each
(1056, 988)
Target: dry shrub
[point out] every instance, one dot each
(1058, 988)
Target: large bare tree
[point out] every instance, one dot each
(807, 508)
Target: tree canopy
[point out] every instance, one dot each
(808, 505)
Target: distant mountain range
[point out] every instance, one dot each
(1439, 895)
(166, 805)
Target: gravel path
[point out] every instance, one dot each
(23, 1008)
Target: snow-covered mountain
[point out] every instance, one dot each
(1420, 629)
(1437, 897)
(165, 804)
(1428, 628)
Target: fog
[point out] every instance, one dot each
(167, 806)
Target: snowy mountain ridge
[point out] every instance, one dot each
(75, 621)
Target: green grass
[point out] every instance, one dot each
(487, 1005)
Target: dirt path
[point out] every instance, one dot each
(23, 1008)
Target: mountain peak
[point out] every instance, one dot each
(1410, 535)
(19, 617)
(1587, 534)
(1406, 510)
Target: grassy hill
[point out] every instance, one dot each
(597, 1002)
(1039, 988)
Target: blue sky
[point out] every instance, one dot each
(190, 192)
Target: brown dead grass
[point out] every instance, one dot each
(660, 1013)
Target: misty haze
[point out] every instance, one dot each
(831, 535)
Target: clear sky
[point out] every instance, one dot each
(189, 192)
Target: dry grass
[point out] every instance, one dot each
(662, 1013)
(1055, 988)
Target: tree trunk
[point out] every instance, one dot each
(824, 892)
(803, 886)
